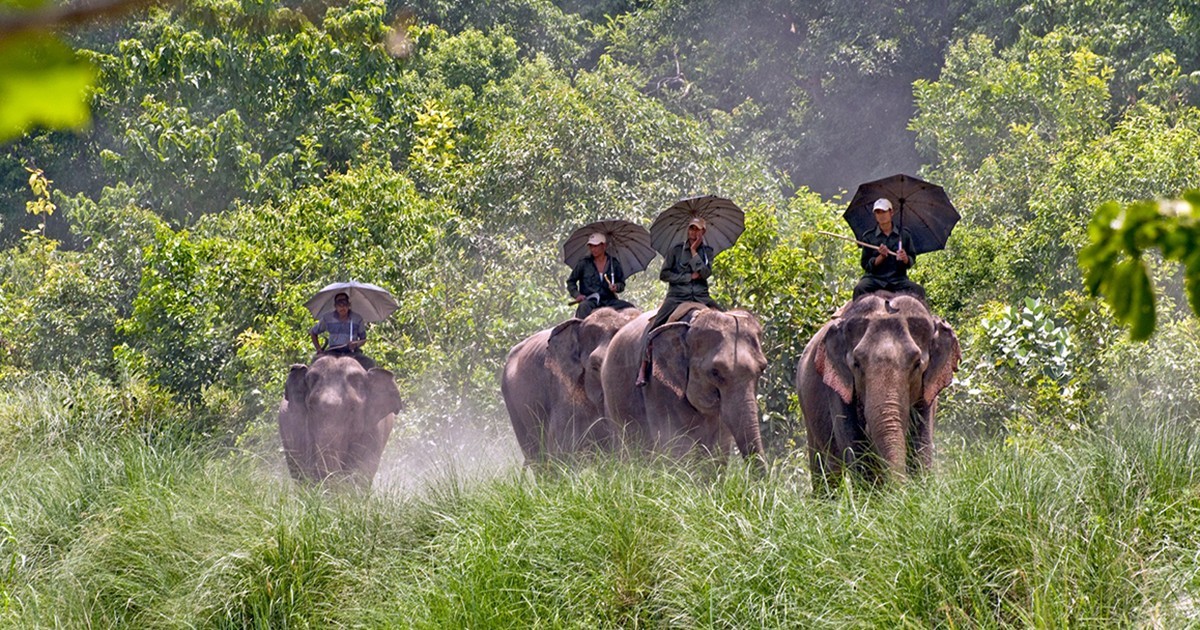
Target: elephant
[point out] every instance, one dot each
(868, 383)
(701, 394)
(551, 386)
(335, 419)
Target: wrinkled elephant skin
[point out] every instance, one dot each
(701, 394)
(335, 419)
(860, 380)
(551, 386)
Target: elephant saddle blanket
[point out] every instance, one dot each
(686, 311)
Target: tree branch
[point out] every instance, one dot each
(54, 18)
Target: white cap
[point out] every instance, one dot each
(882, 204)
(698, 222)
(596, 239)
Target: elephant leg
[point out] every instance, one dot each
(826, 469)
(825, 457)
(529, 422)
(921, 438)
(330, 447)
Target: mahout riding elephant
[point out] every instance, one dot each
(335, 419)
(868, 384)
(551, 386)
(701, 394)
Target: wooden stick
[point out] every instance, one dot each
(852, 240)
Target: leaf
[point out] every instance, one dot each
(1143, 313)
(42, 82)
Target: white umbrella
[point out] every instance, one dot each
(371, 302)
(627, 242)
(725, 222)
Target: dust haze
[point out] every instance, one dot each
(464, 449)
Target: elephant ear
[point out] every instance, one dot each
(293, 425)
(830, 361)
(670, 356)
(295, 391)
(564, 356)
(383, 397)
(944, 355)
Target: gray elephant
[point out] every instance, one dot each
(868, 384)
(551, 386)
(701, 394)
(335, 419)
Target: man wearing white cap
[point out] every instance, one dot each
(887, 268)
(597, 279)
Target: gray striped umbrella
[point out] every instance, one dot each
(627, 242)
(371, 302)
(725, 222)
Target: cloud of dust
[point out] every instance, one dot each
(460, 449)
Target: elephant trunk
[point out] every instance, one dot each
(740, 415)
(887, 428)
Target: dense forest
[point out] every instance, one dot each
(239, 155)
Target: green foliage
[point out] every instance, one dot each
(1160, 374)
(538, 26)
(823, 97)
(43, 84)
(41, 206)
(1023, 374)
(1029, 343)
(58, 308)
(558, 152)
(1026, 146)
(784, 278)
(1120, 235)
(42, 411)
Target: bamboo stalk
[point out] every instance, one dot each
(853, 240)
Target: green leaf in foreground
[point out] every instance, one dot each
(1119, 237)
(42, 82)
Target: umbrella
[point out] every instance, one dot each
(627, 242)
(922, 208)
(725, 223)
(371, 302)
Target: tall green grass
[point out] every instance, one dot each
(1093, 530)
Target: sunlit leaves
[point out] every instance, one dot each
(1119, 237)
(42, 83)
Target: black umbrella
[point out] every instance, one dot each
(627, 242)
(922, 208)
(725, 222)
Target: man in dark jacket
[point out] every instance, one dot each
(597, 279)
(887, 268)
(685, 270)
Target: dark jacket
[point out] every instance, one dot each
(891, 269)
(677, 273)
(586, 280)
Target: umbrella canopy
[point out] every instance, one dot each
(371, 302)
(922, 208)
(725, 221)
(627, 242)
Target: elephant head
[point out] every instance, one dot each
(885, 358)
(705, 382)
(576, 350)
(551, 386)
(336, 417)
